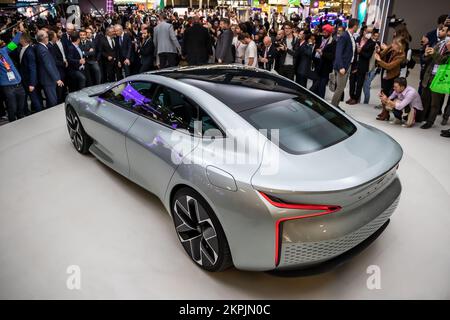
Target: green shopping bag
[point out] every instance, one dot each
(441, 81)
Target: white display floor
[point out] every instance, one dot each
(59, 208)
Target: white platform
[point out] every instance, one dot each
(58, 208)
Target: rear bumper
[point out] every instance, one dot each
(306, 242)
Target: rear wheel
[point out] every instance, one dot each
(80, 140)
(199, 231)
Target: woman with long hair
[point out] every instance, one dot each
(390, 60)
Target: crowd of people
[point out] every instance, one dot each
(41, 62)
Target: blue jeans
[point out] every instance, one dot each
(366, 87)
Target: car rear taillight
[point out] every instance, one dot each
(320, 208)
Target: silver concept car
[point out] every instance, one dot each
(255, 171)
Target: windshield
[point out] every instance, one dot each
(305, 123)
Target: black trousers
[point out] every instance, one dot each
(319, 86)
(287, 71)
(194, 60)
(356, 84)
(78, 79)
(167, 60)
(15, 101)
(301, 79)
(110, 71)
(93, 73)
(387, 86)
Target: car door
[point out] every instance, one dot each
(114, 114)
(160, 138)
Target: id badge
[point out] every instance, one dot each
(11, 76)
(435, 69)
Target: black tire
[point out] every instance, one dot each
(201, 236)
(80, 140)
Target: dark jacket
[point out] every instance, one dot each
(66, 41)
(432, 38)
(430, 61)
(59, 59)
(271, 56)
(344, 52)
(28, 67)
(324, 65)
(106, 49)
(362, 60)
(73, 58)
(90, 55)
(303, 59)
(124, 49)
(97, 43)
(223, 46)
(282, 54)
(197, 44)
(147, 54)
(47, 72)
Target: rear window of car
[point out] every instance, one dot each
(305, 123)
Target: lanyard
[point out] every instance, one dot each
(5, 63)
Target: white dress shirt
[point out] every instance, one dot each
(22, 51)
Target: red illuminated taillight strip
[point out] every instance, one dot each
(324, 209)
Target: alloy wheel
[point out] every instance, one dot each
(196, 231)
(74, 128)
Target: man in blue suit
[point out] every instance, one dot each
(77, 63)
(345, 53)
(28, 71)
(48, 74)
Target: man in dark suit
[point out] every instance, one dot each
(365, 48)
(224, 43)
(124, 43)
(65, 37)
(286, 51)
(48, 74)
(431, 38)
(345, 53)
(57, 52)
(108, 49)
(197, 43)
(268, 54)
(303, 59)
(77, 63)
(323, 61)
(147, 51)
(28, 71)
(88, 47)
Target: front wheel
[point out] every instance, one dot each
(80, 140)
(199, 231)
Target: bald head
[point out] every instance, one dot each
(267, 41)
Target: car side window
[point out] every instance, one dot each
(131, 95)
(179, 112)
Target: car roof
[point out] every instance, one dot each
(240, 88)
